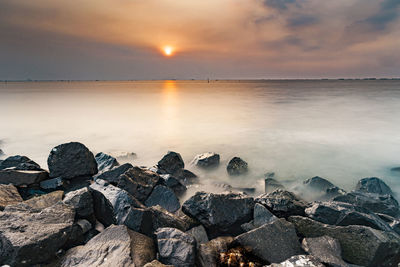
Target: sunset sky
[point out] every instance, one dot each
(126, 39)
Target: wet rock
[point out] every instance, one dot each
(299, 261)
(271, 185)
(105, 162)
(115, 246)
(209, 253)
(33, 236)
(165, 197)
(52, 184)
(112, 176)
(199, 233)
(272, 242)
(156, 263)
(82, 202)
(282, 203)
(171, 162)
(21, 163)
(373, 185)
(361, 245)
(206, 160)
(176, 247)
(19, 177)
(140, 220)
(8, 195)
(220, 213)
(237, 166)
(174, 183)
(326, 249)
(71, 160)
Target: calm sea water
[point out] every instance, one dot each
(340, 130)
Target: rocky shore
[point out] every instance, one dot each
(88, 210)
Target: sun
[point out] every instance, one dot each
(168, 50)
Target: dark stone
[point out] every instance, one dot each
(171, 162)
(112, 176)
(165, 197)
(299, 261)
(174, 183)
(261, 216)
(140, 220)
(271, 185)
(237, 166)
(105, 162)
(361, 245)
(1, 154)
(199, 233)
(162, 218)
(8, 195)
(221, 214)
(206, 160)
(82, 202)
(187, 177)
(52, 184)
(373, 185)
(326, 249)
(21, 163)
(395, 226)
(71, 160)
(272, 242)
(20, 177)
(209, 253)
(396, 169)
(176, 247)
(317, 184)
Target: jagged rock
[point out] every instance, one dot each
(140, 220)
(174, 183)
(176, 247)
(21, 163)
(162, 218)
(187, 177)
(237, 166)
(171, 162)
(39, 202)
(165, 197)
(298, 261)
(209, 253)
(282, 203)
(261, 216)
(220, 213)
(156, 263)
(395, 226)
(206, 160)
(326, 249)
(317, 184)
(82, 202)
(105, 162)
(52, 184)
(115, 246)
(112, 176)
(71, 160)
(337, 213)
(271, 185)
(361, 245)
(199, 233)
(385, 204)
(32, 236)
(272, 242)
(21, 177)
(373, 185)
(8, 195)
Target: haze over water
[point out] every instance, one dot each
(339, 130)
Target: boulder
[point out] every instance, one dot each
(115, 246)
(171, 162)
(199, 233)
(237, 166)
(282, 203)
(221, 214)
(326, 249)
(160, 218)
(112, 176)
(39, 202)
(52, 184)
(209, 253)
(206, 160)
(105, 162)
(156, 263)
(1, 154)
(174, 183)
(361, 245)
(140, 220)
(33, 236)
(71, 160)
(21, 177)
(272, 242)
(21, 163)
(82, 202)
(261, 216)
(395, 226)
(373, 185)
(299, 261)
(271, 185)
(8, 195)
(165, 197)
(176, 247)
(317, 184)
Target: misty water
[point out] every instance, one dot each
(340, 130)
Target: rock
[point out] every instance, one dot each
(123, 155)
(171, 162)
(31, 236)
(174, 183)
(326, 249)
(299, 261)
(19, 178)
(71, 160)
(82, 202)
(395, 169)
(317, 184)
(199, 233)
(21, 163)
(373, 185)
(112, 176)
(164, 197)
(337, 213)
(140, 220)
(272, 242)
(237, 166)
(282, 203)
(361, 245)
(220, 214)
(395, 226)
(115, 246)
(8, 195)
(271, 185)
(209, 253)
(187, 177)
(105, 162)
(162, 218)
(176, 247)
(262, 215)
(156, 263)
(206, 160)
(1, 154)
(38, 203)
(385, 204)
(52, 184)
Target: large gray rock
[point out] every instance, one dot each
(82, 202)
(361, 245)
(115, 246)
(33, 236)
(271, 185)
(237, 166)
(199, 233)
(221, 214)
(112, 176)
(273, 242)
(39, 202)
(206, 160)
(261, 216)
(326, 249)
(209, 253)
(105, 162)
(176, 247)
(21, 163)
(165, 197)
(171, 163)
(174, 183)
(373, 185)
(317, 184)
(71, 160)
(21, 177)
(395, 226)
(162, 218)
(8, 195)
(298, 261)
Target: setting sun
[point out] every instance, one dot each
(168, 50)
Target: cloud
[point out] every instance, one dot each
(301, 21)
(388, 12)
(280, 4)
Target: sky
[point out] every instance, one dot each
(216, 39)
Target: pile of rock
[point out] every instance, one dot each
(91, 211)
